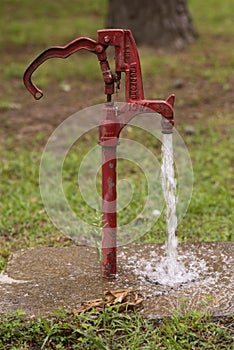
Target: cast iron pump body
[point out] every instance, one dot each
(126, 61)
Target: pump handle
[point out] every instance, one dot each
(55, 51)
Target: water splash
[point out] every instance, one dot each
(170, 272)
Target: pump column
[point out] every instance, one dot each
(108, 140)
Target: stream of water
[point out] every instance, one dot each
(169, 191)
(170, 270)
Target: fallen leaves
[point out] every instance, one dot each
(122, 299)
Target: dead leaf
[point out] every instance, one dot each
(122, 299)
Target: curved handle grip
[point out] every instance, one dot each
(55, 51)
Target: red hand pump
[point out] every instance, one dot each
(126, 61)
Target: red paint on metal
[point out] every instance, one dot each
(109, 215)
(108, 140)
(127, 62)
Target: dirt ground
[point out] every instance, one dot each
(195, 102)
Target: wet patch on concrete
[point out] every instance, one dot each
(48, 278)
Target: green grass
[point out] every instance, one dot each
(209, 217)
(113, 330)
(27, 28)
(41, 23)
(36, 25)
(214, 17)
(212, 201)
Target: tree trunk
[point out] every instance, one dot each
(157, 23)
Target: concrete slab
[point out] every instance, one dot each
(40, 280)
